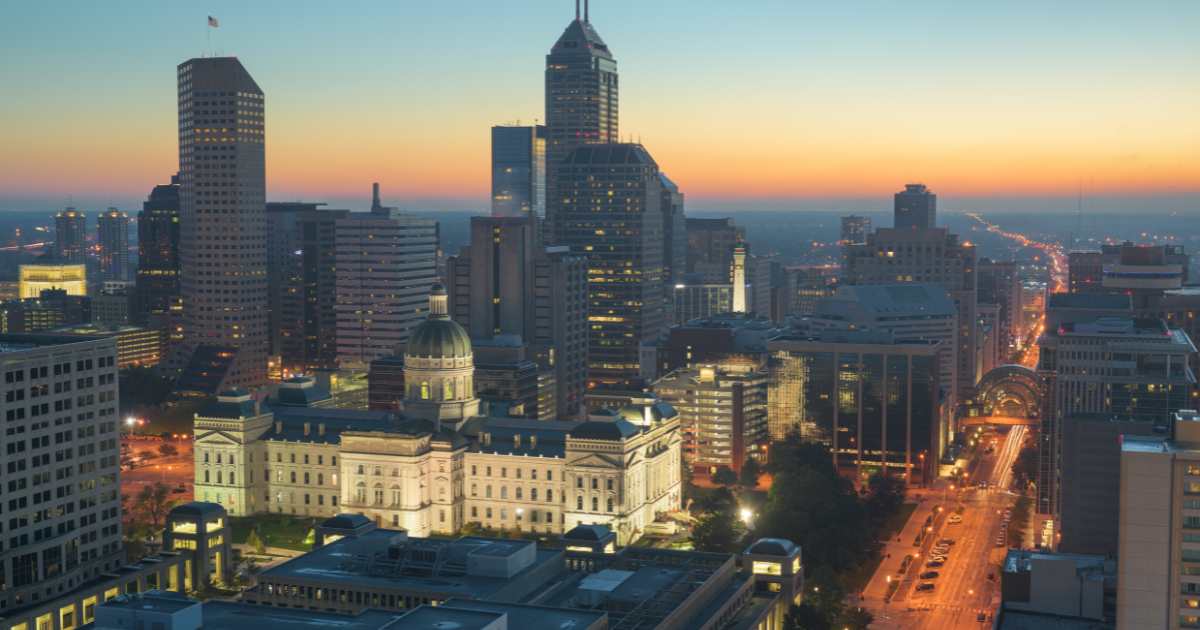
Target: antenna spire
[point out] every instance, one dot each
(585, 12)
(576, 10)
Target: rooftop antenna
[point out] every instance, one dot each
(576, 10)
(585, 12)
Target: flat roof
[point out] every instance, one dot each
(346, 561)
(21, 342)
(240, 616)
(527, 617)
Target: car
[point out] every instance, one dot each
(178, 490)
(929, 575)
(999, 542)
(933, 564)
(925, 586)
(981, 617)
(954, 519)
(946, 541)
(938, 558)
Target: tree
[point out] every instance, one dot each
(724, 477)
(255, 542)
(885, 495)
(142, 387)
(750, 473)
(154, 502)
(718, 532)
(1025, 469)
(166, 449)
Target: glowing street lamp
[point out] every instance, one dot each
(745, 515)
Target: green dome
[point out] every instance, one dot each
(437, 338)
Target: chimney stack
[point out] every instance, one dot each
(307, 427)
(376, 204)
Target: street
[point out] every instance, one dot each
(962, 589)
(175, 470)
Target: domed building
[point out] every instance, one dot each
(439, 368)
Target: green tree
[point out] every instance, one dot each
(310, 538)
(719, 531)
(750, 472)
(885, 495)
(142, 387)
(1025, 469)
(154, 501)
(724, 476)
(255, 542)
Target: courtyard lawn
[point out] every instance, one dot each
(276, 530)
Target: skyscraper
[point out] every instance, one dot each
(157, 303)
(112, 234)
(518, 171)
(386, 260)
(581, 102)
(70, 228)
(915, 207)
(612, 213)
(674, 232)
(223, 235)
(710, 244)
(505, 283)
(301, 280)
(855, 229)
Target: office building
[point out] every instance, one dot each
(63, 516)
(674, 231)
(519, 171)
(507, 284)
(1091, 479)
(716, 339)
(1156, 585)
(70, 236)
(927, 255)
(110, 306)
(385, 262)
(710, 244)
(112, 236)
(700, 301)
(1144, 272)
(855, 229)
(873, 400)
(908, 312)
(136, 347)
(1181, 309)
(157, 301)
(999, 283)
(34, 278)
(612, 213)
(222, 216)
(509, 383)
(1136, 369)
(581, 104)
(722, 413)
(803, 286)
(52, 309)
(301, 282)
(915, 208)
(1056, 590)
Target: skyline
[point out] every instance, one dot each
(817, 117)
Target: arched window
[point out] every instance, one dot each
(206, 476)
(518, 493)
(360, 469)
(378, 494)
(533, 494)
(424, 390)
(360, 493)
(448, 389)
(503, 492)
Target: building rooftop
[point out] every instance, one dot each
(20, 342)
(1020, 620)
(387, 559)
(1021, 561)
(1099, 301)
(616, 153)
(503, 432)
(525, 617)
(335, 421)
(884, 302)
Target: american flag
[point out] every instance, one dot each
(212, 21)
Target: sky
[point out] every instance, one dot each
(755, 104)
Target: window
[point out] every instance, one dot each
(608, 484)
(595, 484)
(378, 494)
(595, 504)
(578, 503)
(320, 479)
(610, 505)
(579, 482)
(503, 492)
(487, 492)
(474, 490)
(533, 494)
(549, 495)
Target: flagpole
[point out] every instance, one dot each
(208, 37)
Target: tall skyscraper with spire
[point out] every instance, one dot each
(581, 102)
(223, 228)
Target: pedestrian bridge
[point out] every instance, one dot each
(1007, 421)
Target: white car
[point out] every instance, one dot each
(954, 519)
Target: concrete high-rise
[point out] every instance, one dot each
(222, 216)
(63, 522)
(999, 283)
(674, 232)
(1156, 583)
(722, 413)
(915, 207)
(507, 284)
(518, 171)
(385, 260)
(612, 213)
(156, 302)
(70, 241)
(112, 234)
(301, 281)
(581, 102)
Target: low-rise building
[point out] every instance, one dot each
(722, 411)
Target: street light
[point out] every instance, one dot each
(745, 515)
